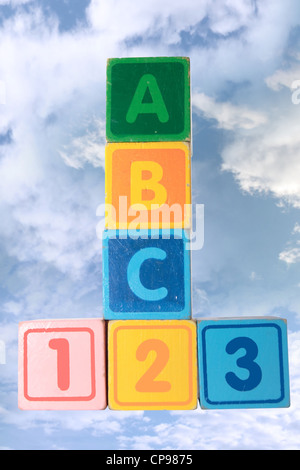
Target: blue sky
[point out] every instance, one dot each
(245, 60)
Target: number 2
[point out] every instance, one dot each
(147, 382)
(246, 362)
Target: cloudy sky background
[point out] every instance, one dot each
(245, 64)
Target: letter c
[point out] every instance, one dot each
(133, 274)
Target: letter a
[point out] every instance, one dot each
(157, 106)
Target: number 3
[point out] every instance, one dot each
(246, 362)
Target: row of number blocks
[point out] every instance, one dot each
(89, 364)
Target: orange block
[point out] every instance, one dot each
(148, 185)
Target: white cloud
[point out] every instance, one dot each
(290, 256)
(296, 228)
(201, 303)
(54, 107)
(284, 78)
(98, 423)
(120, 19)
(267, 159)
(255, 277)
(2, 92)
(263, 153)
(231, 15)
(12, 307)
(227, 115)
(87, 148)
(14, 2)
(164, 22)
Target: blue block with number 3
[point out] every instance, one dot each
(243, 363)
(146, 275)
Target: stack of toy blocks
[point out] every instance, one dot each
(148, 352)
(152, 339)
(152, 359)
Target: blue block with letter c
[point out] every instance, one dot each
(146, 275)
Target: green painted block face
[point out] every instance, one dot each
(148, 99)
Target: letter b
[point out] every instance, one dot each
(140, 186)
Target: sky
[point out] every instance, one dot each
(245, 88)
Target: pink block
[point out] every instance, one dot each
(62, 365)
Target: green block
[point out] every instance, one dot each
(148, 99)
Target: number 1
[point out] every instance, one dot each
(61, 345)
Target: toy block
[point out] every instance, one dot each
(152, 365)
(148, 99)
(148, 185)
(243, 363)
(62, 365)
(146, 275)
